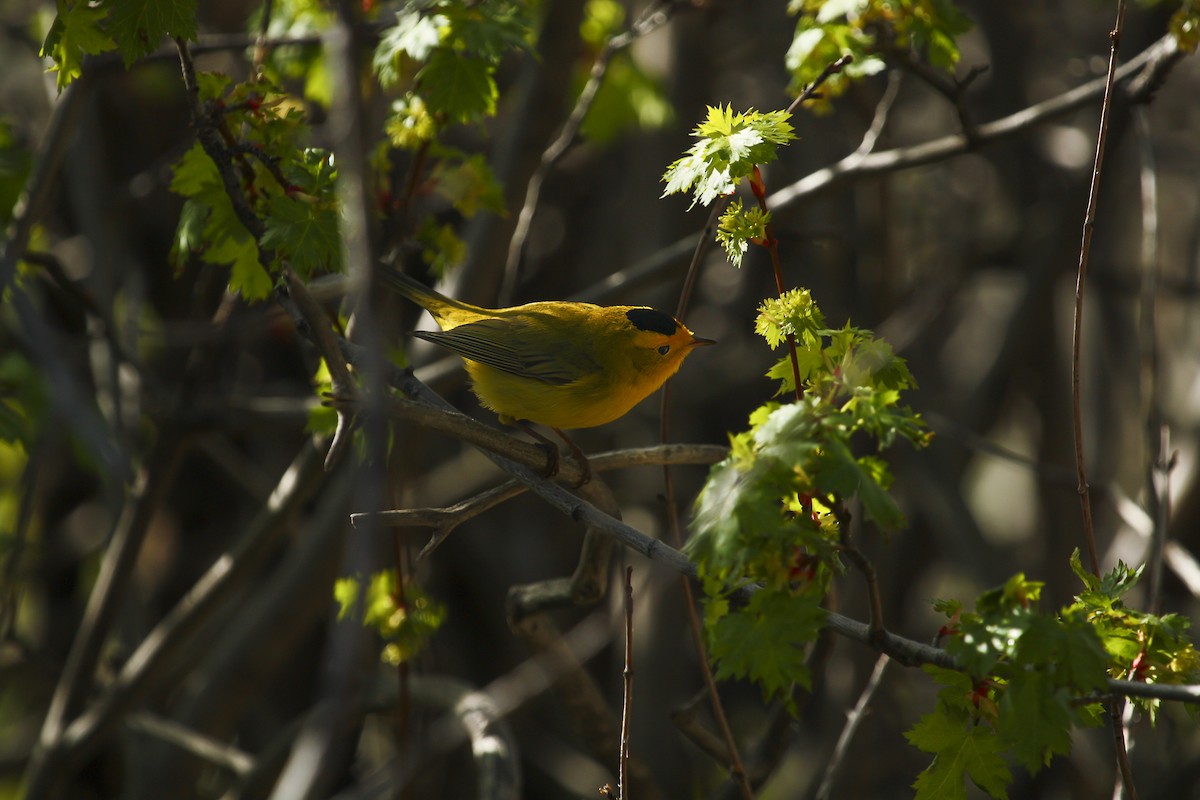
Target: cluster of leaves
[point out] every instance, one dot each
(134, 28)
(405, 621)
(440, 61)
(768, 520)
(439, 58)
(1141, 647)
(870, 30)
(289, 187)
(730, 148)
(1026, 676)
(771, 512)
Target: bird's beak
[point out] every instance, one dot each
(697, 341)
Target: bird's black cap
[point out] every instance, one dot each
(647, 319)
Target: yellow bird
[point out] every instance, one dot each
(556, 363)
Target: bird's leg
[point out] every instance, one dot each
(584, 467)
(551, 449)
(549, 446)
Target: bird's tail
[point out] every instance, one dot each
(436, 303)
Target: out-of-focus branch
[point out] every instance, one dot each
(148, 663)
(1158, 473)
(1145, 72)
(653, 18)
(854, 718)
(31, 205)
(56, 751)
(218, 753)
(316, 755)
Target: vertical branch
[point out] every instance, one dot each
(50, 763)
(736, 766)
(772, 244)
(654, 16)
(1158, 495)
(1116, 706)
(854, 718)
(759, 189)
(1089, 224)
(317, 753)
(627, 705)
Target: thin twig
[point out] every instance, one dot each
(862, 564)
(627, 704)
(854, 718)
(1089, 224)
(1116, 709)
(736, 766)
(654, 17)
(883, 111)
(810, 91)
(1156, 58)
(759, 190)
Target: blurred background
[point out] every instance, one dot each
(965, 264)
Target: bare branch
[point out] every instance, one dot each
(1089, 224)
(653, 18)
(627, 703)
(854, 718)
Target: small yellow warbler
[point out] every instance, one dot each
(557, 363)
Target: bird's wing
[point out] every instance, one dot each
(518, 348)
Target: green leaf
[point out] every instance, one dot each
(346, 593)
(410, 124)
(793, 313)
(414, 36)
(469, 185)
(459, 86)
(247, 275)
(838, 473)
(306, 234)
(441, 247)
(210, 226)
(1035, 719)
(15, 163)
(139, 26)
(764, 641)
(77, 31)
(738, 518)
(490, 30)
(738, 227)
(962, 748)
(730, 147)
(1066, 649)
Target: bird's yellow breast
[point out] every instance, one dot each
(594, 400)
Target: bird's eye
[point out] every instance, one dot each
(666, 348)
